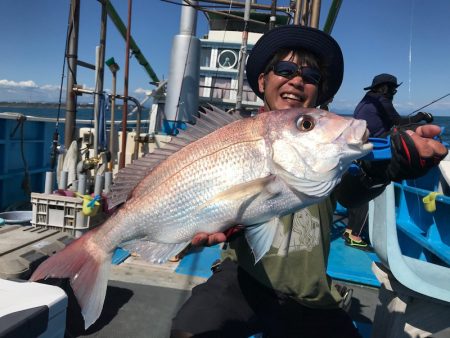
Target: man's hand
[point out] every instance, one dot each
(426, 146)
(204, 239)
(414, 153)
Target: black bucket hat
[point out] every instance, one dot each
(298, 37)
(383, 78)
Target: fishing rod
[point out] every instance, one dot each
(415, 111)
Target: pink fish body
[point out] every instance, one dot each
(249, 172)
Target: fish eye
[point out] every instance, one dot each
(305, 123)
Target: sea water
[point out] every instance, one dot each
(88, 114)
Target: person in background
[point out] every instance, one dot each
(376, 107)
(288, 292)
(378, 110)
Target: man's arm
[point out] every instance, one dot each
(413, 154)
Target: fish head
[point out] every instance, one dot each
(312, 148)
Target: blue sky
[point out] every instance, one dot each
(408, 38)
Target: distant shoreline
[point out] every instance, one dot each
(47, 105)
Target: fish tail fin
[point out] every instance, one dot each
(87, 266)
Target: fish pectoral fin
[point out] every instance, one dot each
(260, 237)
(153, 252)
(266, 187)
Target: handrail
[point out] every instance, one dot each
(14, 116)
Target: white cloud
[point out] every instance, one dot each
(51, 87)
(142, 91)
(21, 84)
(27, 91)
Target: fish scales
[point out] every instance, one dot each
(233, 155)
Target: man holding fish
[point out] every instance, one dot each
(275, 174)
(287, 293)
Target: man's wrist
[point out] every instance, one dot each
(374, 174)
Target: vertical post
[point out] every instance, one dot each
(125, 91)
(72, 56)
(315, 13)
(99, 76)
(332, 14)
(63, 180)
(184, 73)
(113, 67)
(243, 57)
(108, 181)
(306, 7)
(82, 184)
(112, 129)
(49, 179)
(298, 11)
(273, 14)
(98, 187)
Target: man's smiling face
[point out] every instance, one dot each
(283, 93)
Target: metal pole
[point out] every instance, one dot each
(125, 92)
(332, 14)
(72, 55)
(306, 12)
(273, 14)
(243, 57)
(138, 128)
(298, 12)
(112, 128)
(255, 5)
(315, 13)
(99, 75)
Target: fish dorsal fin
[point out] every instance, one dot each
(126, 180)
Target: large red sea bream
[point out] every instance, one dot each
(221, 172)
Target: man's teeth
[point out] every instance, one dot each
(291, 96)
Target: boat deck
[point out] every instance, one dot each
(142, 298)
(141, 301)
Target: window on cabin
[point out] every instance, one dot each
(205, 57)
(221, 88)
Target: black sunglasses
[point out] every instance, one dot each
(393, 90)
(290, 70)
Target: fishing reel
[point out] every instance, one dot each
(98, 163)
(89, 164)
(92, 163)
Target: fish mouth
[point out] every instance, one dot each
(358, 137)
(365, 137)
(366, 145)
(356, 133)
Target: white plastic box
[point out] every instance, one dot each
(61, 212)
(22, 296)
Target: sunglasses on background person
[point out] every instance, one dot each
(290, 70)
(393, 90)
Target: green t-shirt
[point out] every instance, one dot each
(297, 260)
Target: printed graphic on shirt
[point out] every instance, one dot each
(305, 234)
